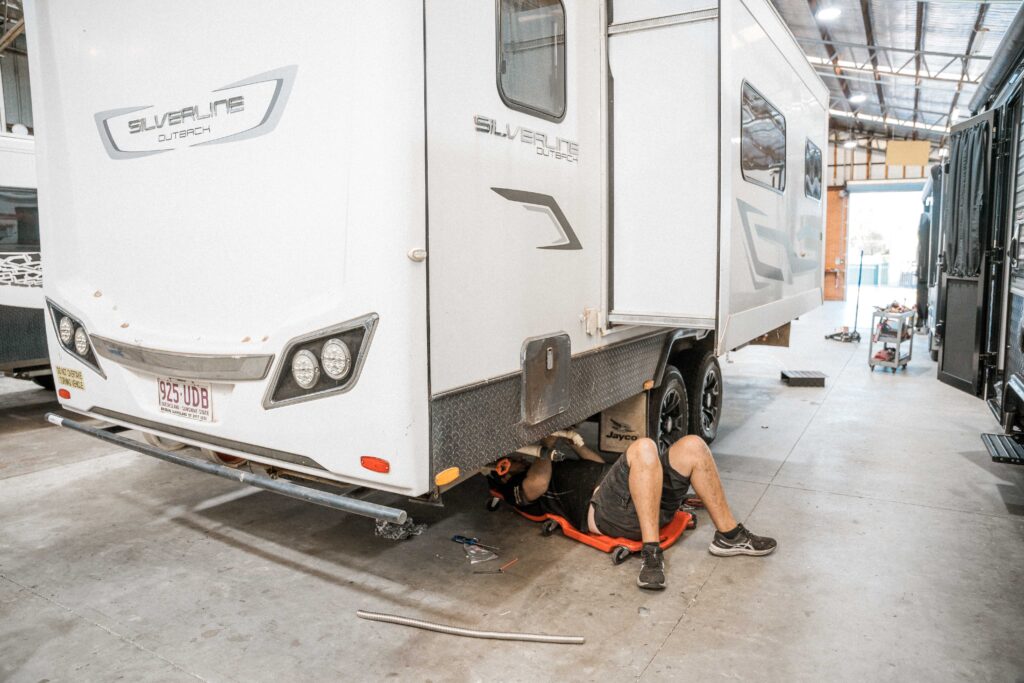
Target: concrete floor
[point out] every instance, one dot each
(901, 556)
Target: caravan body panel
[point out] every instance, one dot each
(772, 243)
(190, 235)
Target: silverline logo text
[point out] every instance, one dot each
(192, 114)
(556, 149)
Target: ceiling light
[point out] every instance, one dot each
(828, 13)
(850, 144)
(858, 98)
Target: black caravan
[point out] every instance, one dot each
(981, 293)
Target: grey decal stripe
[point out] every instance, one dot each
(796, 263)
(760, 267)
(548, 202)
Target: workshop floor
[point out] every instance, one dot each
(901, 556)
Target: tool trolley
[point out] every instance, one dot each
(890, 330)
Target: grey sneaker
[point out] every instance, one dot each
(652, 569)
(745, 543)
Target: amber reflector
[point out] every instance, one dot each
(375, 464)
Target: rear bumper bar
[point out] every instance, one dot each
(308, 494)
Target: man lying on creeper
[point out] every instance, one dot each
(631, 498)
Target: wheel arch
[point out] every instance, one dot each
(682, 349)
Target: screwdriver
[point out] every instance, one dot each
(472, 541)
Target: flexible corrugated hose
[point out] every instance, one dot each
(468, 632)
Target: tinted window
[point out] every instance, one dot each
(812, 171)
(763, 141)
(14, 78)
(531, 56)
(19, 220)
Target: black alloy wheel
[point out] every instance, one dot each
(668, 410)
(706, 394)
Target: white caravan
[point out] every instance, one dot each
(423, 235)
(22, 320)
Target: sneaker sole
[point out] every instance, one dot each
(731, 552)
(650, 586)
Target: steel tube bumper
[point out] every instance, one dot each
(285, 488)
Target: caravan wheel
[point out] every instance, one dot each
(161, 442)
(668, 409)
(706, 398)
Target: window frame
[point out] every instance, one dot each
(821, 169)
(785, 137)
(518, 106)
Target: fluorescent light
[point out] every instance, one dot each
(858, 98)
(887, 120)
(828, 13)
(850, 144)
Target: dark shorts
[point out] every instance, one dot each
(614, 510)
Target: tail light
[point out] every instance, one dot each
(73, 336)
(321, 363)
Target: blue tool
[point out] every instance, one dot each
(465, 540)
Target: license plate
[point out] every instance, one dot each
(185, 398)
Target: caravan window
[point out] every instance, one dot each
(531, 56)
(812, 171)
(17, 101)
(19, 220)
(762, 142)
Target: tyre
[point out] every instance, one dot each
(45, 381)
(620, 554)
(668, 410)
(705, 390)
(161, 442)
(224, 458)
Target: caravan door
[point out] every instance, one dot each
(514, 167)
(664, 165)
(966, 217)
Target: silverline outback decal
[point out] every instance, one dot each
(557, 149)
(238, 111)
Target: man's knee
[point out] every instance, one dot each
(643, 453)
(687, 452)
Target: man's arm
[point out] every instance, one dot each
(585, 453)
(581, 449)
(537, 479)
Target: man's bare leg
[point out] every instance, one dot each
(645, 477)
(691, 457)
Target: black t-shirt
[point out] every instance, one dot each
(568, 495)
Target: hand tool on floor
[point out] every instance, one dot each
(465, 540)
(499, 570)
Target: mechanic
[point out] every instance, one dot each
(631, 498)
